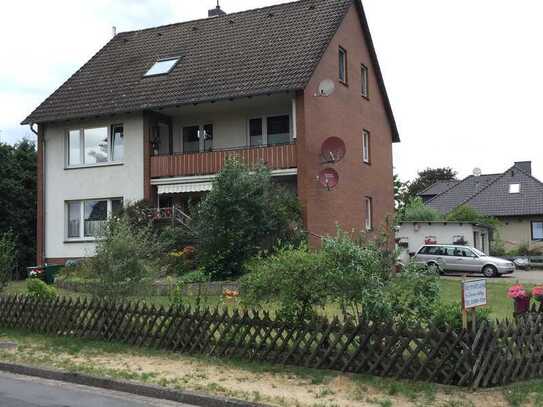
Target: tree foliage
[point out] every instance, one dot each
(427, 178)
(8, 258)
(18, 198)
(245, 213)
(417, 211)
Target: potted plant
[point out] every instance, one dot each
(521, 298)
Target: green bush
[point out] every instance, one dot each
(450, 315)
(8, 258)
(36, 288)
(177, 296)
(293, 279)
(417, 211)
(126, 260)
(243, 215)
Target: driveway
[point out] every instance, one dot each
(23, 391)
(529, 277)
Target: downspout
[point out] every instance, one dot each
(41, 151)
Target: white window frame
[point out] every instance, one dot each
(82, 163)
(368, 210)
(265, 128)
(345, 79)
(366, 146)
(166, 72)
(364, 81)
(81, 202)
(514, 188)
(201, 140)
(532, 224)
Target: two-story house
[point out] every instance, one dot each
(155, 112)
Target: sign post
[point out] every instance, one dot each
(474, 295)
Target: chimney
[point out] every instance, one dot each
(216, 12)
(524, 166)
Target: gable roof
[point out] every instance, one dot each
(489, 194)
(438, 188)
(262, 51)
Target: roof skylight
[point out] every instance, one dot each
(162, 67)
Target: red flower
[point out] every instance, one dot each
(517, 292)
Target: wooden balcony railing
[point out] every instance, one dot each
(179, 165)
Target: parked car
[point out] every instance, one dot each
(467, 259)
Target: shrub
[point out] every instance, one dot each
(417, 211)
(293, 279)
(8, 258)
(450, 315)
(125, 261)
(244, 214)
(177, 296)
(36, 288)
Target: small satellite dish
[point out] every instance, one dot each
(477, 172)
(329, 178)
(326, 88)
(332, 150)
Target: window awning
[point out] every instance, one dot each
(184, 188)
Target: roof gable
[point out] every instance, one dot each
(260, 51)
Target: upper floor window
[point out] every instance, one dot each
(162, 67)
(368, 222)
(94, 146)
(364, 81)
(514, 188)
(537, 230)
(366, 146)
(87, 219)
(342, 65)
(269, 130)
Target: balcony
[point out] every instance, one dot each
(276, 157)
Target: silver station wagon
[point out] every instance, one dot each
(442, 258)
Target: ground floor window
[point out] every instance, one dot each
(368, 222)
(537, 230)
(87, 218)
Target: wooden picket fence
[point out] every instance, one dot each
(491, 355)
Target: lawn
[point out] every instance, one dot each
(501, 307)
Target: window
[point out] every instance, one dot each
(342, 65)
(366, 146)
(537, 230)
(369, 214)
(278, 129)
(162, 67)
(94, 146)
(191, 142)
(364, 81)
(256, 135)
(514, 188)
(86, 219)
(208, 137)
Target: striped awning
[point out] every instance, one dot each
(184, 188)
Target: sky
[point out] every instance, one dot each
(464, 77)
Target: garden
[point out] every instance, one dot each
(342, 307)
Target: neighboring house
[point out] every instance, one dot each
(413, 235)
(155, 112)
(435, 189)
(515, 197)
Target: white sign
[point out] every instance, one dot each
(473, 293)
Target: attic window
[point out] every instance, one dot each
(514, 188)
(162, 67)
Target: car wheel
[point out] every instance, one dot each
(434, 267)
(490, 271)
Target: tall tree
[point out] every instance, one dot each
(18, 198)
(428, 177)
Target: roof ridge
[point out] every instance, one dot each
(216, 17)
(438, 181)
(451, 188)
(525, 173)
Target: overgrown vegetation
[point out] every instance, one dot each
(36, 288)
(243, 215)
(416, 211)
(8, 258)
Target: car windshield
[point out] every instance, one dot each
(478, 252)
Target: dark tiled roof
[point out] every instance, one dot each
(438, 188)
(491, 195)
(255, 52)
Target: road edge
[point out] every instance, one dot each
(145, 390)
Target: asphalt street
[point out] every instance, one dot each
(22, 391)
(528, 277)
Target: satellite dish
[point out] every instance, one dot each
(329, 178)
(477, 172)
(326, 88)
(332, 150)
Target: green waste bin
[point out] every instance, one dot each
(49, 272)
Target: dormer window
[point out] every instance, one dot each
(514, 188)
(162, 67)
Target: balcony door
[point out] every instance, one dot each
(197, 138)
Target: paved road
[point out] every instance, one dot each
(530, 277)
(23, 391)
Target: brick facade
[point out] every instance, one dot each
(345, 114)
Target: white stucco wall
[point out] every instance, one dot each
(416, 233)
(61, 185)
(230, 119)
